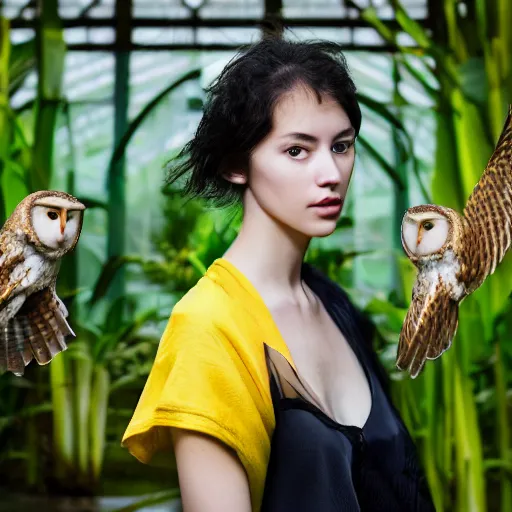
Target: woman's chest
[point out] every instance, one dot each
(325, 360)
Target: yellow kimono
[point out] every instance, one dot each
(210, 374)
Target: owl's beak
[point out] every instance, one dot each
(63, 215)
(420, 235)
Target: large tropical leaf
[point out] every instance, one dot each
(22, 62)
(119, 151)
(108, 273)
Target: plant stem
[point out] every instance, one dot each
(98, 419)
(63, 433)
(503, 434)
(82, 396)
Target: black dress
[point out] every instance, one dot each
(317, 464)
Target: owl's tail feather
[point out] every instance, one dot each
(48, 336)
(15, 354)
(39, 331)
(42, 342)
(428, 331)
(61, 324)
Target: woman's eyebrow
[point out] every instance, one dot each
(311, 138)
(347, 132)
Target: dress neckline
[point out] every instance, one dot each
(275, 340)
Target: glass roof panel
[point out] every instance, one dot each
(236, 36)
(232, 9)
(105, 9)
(21, 35)
(417, 9)
(159, 9)
(72, 8)
(163, 35)
(78, 35)
(317, 9)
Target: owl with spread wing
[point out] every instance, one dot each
(42, 229)
(454, 255)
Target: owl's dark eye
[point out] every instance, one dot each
(428, 225)
(53, 215)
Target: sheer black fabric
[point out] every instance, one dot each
(317, 464)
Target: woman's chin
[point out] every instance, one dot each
(322, 229)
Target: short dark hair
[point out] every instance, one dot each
(237, 114)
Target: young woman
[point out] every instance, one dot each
(265, 386)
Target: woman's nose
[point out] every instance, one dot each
(328, 173)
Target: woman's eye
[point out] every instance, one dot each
(341, 147)
(294, 152)
(53, 215)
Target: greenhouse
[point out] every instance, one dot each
(101, 96)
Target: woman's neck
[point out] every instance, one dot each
(271, 257)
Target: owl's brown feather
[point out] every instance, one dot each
(14, 354)
(38, 330)
(489, 211)
(428, 329)
(14, 258)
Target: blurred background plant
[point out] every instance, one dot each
(94, 104)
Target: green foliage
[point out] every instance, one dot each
(473, 90)
(190, 240)
(13, 149)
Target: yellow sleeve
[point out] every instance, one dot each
(199, 382)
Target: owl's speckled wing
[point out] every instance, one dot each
(38, 330)
(429, 327)
(489, 209)
(11, 256)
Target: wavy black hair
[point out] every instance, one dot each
(237, 114)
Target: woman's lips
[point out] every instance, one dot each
(330, 209)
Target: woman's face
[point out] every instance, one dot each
(307, 157)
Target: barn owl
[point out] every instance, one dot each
(41, 230)
(454, 255)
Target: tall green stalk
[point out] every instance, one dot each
(63, 424)
(5, 50)
(13, 175)
(502, 421)
(82, 373)
(98, 419)
(51, 56)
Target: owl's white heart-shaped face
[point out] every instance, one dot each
(55, 227)
(424, 233)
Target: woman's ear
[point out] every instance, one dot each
(233, 169)
(236, 177)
